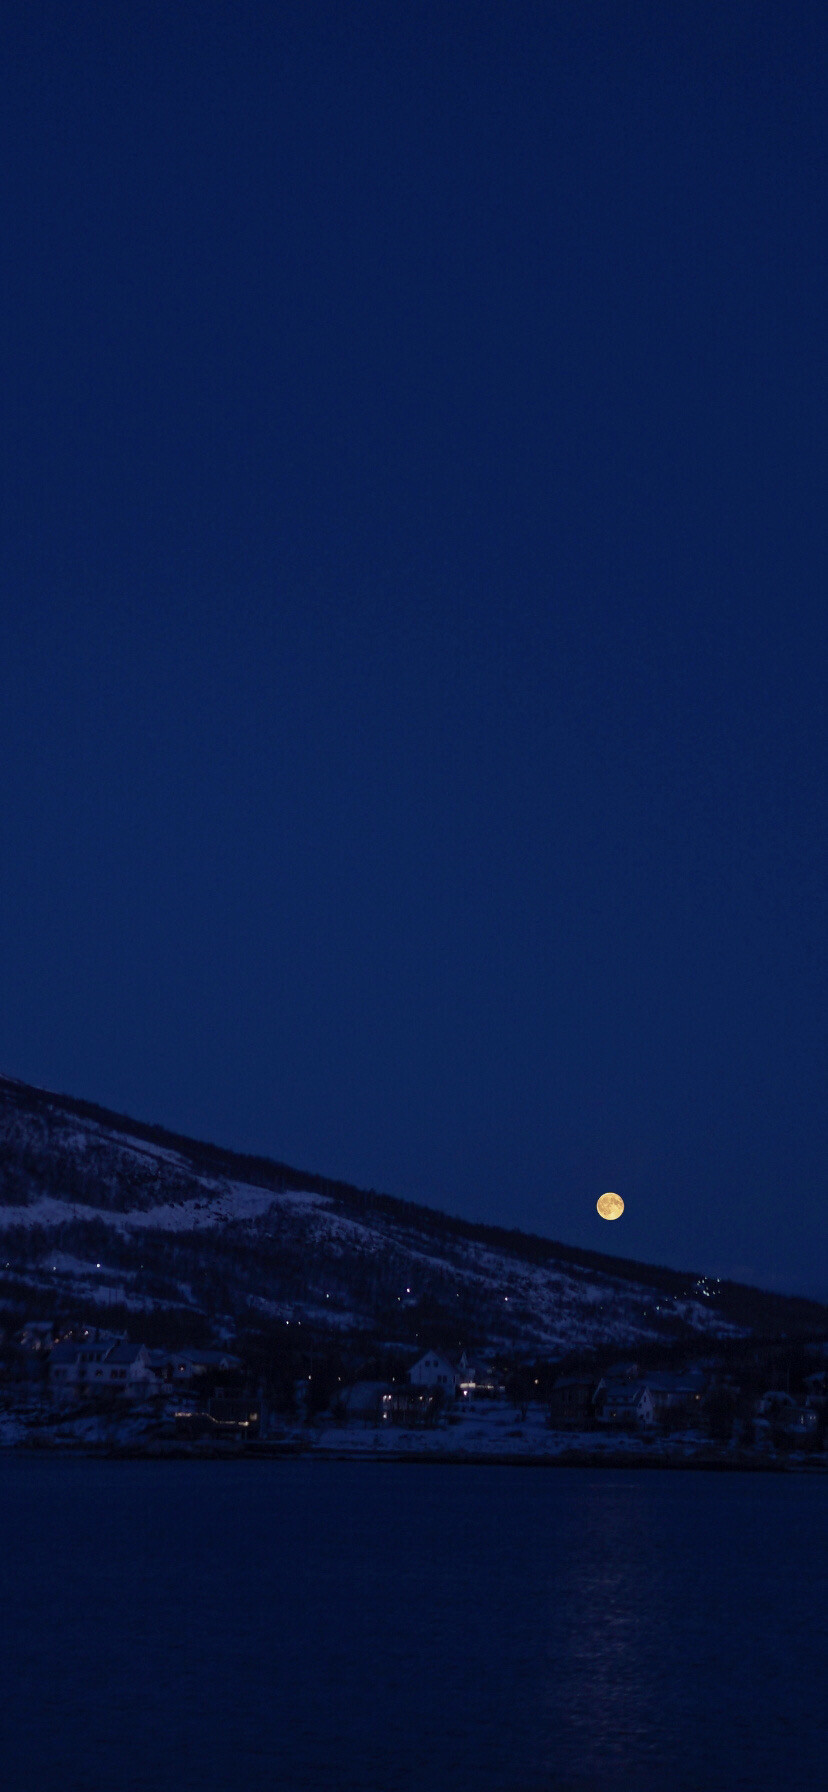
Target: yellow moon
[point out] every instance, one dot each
(610, 1207)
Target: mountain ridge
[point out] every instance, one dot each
(253, 1238)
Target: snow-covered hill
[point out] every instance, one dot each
(98, 1209)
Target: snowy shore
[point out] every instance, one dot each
(495, 1435)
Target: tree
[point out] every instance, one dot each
(719, 1414)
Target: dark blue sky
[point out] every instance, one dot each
(414, 549)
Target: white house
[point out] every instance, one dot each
(624, 1403)
(671, 1392)
(63, 1368)
(100, 1367)
(435, 1371)
(127, 1370)
(78, 1368)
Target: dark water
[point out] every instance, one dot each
(366, 1627)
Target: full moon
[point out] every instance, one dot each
(610, 1207)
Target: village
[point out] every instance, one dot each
(84, 1387)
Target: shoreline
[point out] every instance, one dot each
(179, 1451)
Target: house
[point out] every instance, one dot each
(778, 1414)
(571, 1400)
(97, 1366)
(76, 1368)
(774, 1404)
(161, 1364)
(477, 1379)
(802, 1424)
(435, 1371)
(817, 1386)
(192, 1365)
(363, 1401)
(64, 1368)
(105, 1363)
(127, 1370)
(675, 1392)
(624, 1403)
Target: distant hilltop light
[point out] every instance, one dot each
(610, 1207)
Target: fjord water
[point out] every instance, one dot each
(372, 1627)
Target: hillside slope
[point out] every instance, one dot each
(101, 1211)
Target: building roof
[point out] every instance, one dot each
(628, 1393)
(125, 1353)
(439, 1356)
(364, 1396)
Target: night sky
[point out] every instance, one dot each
(414, 548)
